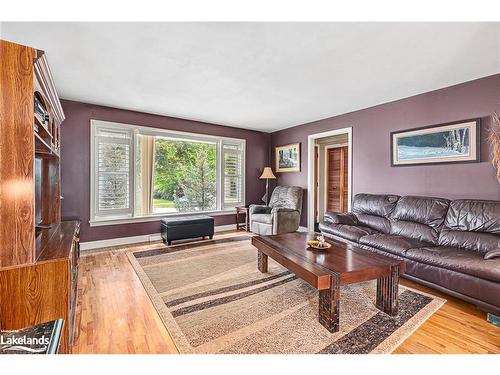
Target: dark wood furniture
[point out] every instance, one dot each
(37, 334)
(38, 252)
(246, 225)
(327, 270)
(184, 227)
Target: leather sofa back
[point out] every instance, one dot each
(473, 225)
(373, 210)
(419, 217)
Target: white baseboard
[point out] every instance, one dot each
(302, 229)
(91, 245)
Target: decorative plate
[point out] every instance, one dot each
(315, 245)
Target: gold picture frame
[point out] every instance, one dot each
(287, 158)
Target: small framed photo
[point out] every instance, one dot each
(288, 158)
(454, 142)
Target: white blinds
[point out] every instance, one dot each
(233, 167)
(113, 171)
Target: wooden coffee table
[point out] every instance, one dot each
(327, 270)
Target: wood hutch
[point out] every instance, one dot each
(38, 252)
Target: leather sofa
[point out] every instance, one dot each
(452, 246)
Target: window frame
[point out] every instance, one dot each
(119, 217)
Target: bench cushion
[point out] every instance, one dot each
(186, 220)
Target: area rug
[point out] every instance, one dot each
(212, 299)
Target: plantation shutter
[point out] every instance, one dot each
(113, 171)
(233, 166)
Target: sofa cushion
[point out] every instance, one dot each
(394, 244)
(263, 218)
(472, 225)
(378, 223)
(374, 204)
(187, 220)
(423, 210)
(472, 241)
(349, 232)
(459, 260)
(419, 217)
(373, 210)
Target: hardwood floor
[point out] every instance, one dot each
(115, 315)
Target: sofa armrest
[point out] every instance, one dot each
(259, 209)
(340, 218)
(492, 254)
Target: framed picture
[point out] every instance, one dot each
(454, 142)
(288, 158)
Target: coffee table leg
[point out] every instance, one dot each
(387, 292)
(261, 261)
(329, 307)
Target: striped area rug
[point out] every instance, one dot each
(212, 299)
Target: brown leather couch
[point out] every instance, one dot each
(452, 246)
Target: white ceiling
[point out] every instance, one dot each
(263, 76)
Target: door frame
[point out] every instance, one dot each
(310, 170)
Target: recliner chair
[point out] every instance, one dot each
(282, 215)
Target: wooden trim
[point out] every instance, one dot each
(310, 175)
(44, 77)
(316, 182)
(342, 179)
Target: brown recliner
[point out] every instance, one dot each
(444, 243)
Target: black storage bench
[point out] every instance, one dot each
(183, 227)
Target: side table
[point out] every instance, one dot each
(243, 226)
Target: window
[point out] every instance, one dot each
(141, 172)
(113, 170)
(233, 174)
(185, 176)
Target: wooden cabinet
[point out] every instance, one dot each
(46, 289)
(38, 252)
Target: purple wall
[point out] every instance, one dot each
(371, 146)
(75, 158)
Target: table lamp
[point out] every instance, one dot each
(267, 174)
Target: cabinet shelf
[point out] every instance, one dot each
(43, 148)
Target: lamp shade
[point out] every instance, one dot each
(267, 173)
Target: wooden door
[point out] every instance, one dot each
(316, 183)
(336, 179)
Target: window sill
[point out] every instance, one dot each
(156, 217)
